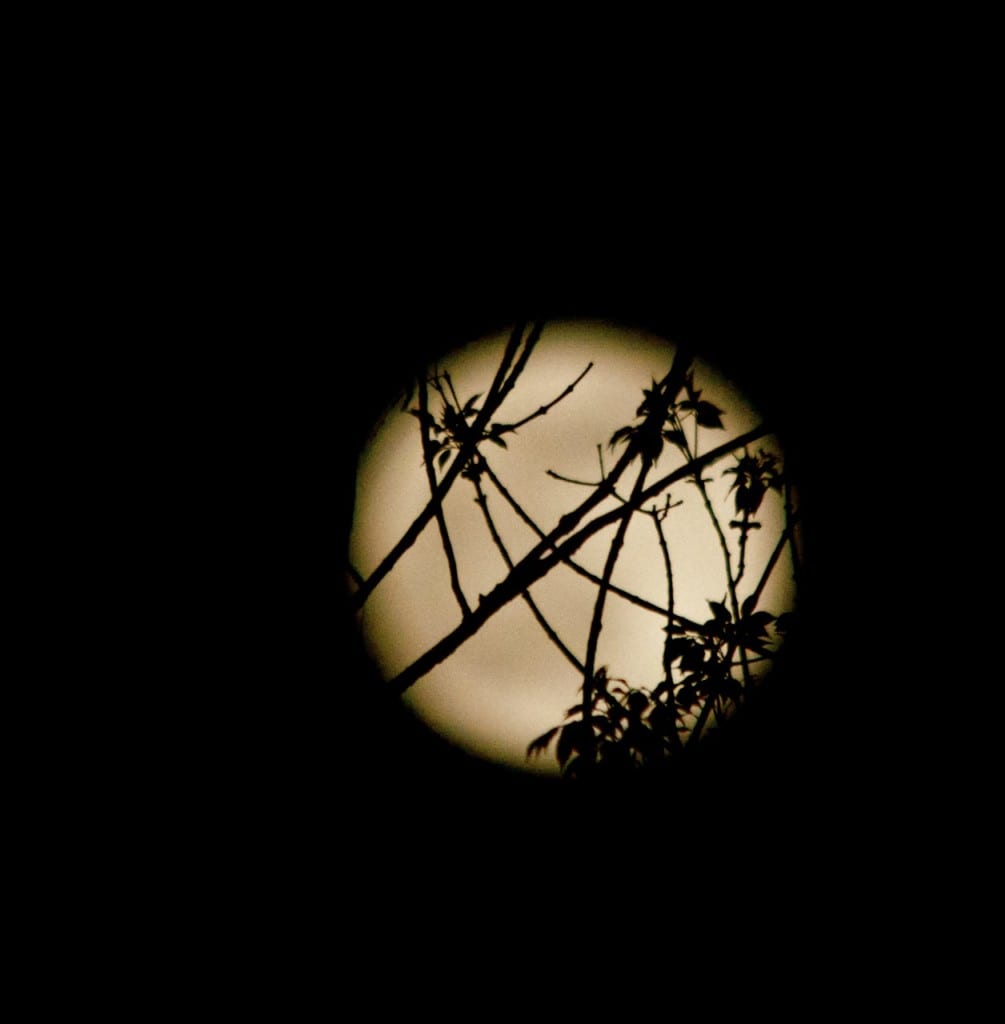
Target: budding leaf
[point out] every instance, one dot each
(709, 415)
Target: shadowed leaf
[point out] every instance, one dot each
(619, 436)
(709, 415)
(720, 611)
(573, 739)
(540, 745)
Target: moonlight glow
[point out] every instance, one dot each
(509, 682)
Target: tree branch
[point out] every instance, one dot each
(627, 595)
(546, 555)
(510, 428)
(490, 405)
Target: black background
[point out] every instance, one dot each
(791, 291)
(784, 308)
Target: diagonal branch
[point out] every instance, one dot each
(580, 570)
(779, 548)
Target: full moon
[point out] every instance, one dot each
(555, 438)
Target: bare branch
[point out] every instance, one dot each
(510, 428)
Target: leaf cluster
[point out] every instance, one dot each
(753, 476)
(662, 414)
(453, 427)
(630, 728)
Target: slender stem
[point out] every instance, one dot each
(570, 480)
(510, 428)
(549, 553)
(482, 501)
(790, 519)
(441, 519)
(598, 609)
(669, 642)
(744, 530)
(355, 574)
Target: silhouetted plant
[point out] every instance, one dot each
(616, 727)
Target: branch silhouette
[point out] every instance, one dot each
(501, 386)
(539, 561)
(580, 570)
(706, 667)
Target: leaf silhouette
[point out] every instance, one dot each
(720, 611)
(573, 739)
(709, 415)
(620, 436)
(540, 745)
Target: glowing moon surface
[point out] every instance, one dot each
(510, 682)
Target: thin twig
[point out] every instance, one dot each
(441, 519)
(510, 428)
(482, 501)
(596, 623)
(355, 574)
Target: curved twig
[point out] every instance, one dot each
(482, 501)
